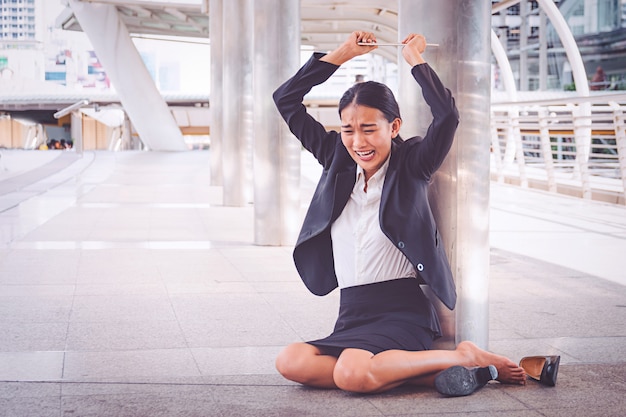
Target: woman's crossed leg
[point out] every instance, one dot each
(358, 370)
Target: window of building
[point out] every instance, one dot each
(513, 10)
(608, 15)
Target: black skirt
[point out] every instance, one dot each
(383, 316)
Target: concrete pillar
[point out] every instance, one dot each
(136, 90)
(459, 194)
(238, 36)
(127, 136)
(216, 29)
(276, 152)
(76, 131)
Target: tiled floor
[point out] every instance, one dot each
(127, 288)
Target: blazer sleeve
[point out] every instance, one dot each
(288, 99)
(430, 154)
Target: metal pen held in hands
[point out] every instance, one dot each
(390, 44)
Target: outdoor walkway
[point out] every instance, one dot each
(128, 289)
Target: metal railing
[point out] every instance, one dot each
(575, 146)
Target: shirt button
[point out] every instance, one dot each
(401, 245)
(420, 267)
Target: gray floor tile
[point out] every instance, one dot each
(35, 309)
(124, 335)
(31, 366)
(121, 308)
(31, 337)
(236, 360)
(30, 406)
(118, 364)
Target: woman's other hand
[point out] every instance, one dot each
(415, 47)
(351, 48)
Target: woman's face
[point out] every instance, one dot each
(367, 135)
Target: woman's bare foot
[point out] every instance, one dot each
(508, 371)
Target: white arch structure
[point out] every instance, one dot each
(514, 139)
(581, 113)
(566, 37)
(143, 103)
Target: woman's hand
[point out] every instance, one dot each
(351, 48)
(415, 47)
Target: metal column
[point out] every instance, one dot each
(523, 46)
(237, 39)
(543, 51)
(459, 194)
(216, 29)
(133, 83)
(276, 152)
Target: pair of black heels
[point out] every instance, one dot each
(459, 380)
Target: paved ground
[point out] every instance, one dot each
(128, 289)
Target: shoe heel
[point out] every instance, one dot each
(458, 381)
(543, 369)
(550, 371)
(486, 374)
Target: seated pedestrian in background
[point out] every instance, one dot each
(598, 81)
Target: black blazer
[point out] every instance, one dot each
(405, 215)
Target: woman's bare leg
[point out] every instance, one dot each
(305, 364)
(361, 371)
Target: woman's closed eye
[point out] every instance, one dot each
(351, 131)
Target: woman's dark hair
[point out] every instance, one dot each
(372, 94)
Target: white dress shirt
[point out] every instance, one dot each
(362, 253)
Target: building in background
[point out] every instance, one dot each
(19, 29)
(21, 39)
(32, 47)
(56, 67)
(598, 26)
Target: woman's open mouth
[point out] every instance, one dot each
(365, 154)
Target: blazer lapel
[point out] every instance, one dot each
(344, 184)
(390, 177)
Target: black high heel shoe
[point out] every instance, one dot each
(459, 380)
(542, 368)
